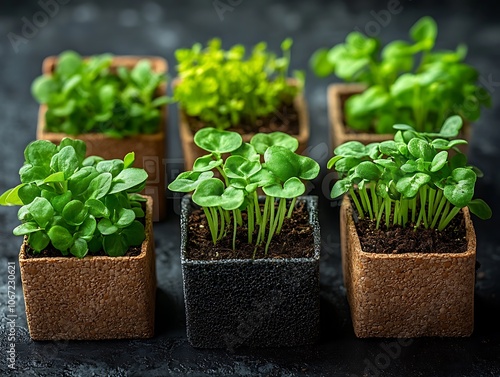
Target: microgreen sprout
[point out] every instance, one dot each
(407, 82)
(84, 96)
(226, 88)
(418, 178)
(240, 173)
(77, 204)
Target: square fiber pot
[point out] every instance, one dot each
(337, 94)
(149, 148)
(256, 303)
(408, 295)
(97, 297)
(191, 151)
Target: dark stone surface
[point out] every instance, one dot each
(149, 27)
(263, 303)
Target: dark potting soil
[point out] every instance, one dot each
(399, 240)
(285, 119)
(52, 252)
(295, 240)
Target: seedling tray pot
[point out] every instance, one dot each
(408, 295)
(257, 303)
(191, 151)
(97, 297)
(149, 148)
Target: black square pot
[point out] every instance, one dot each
(258, 303)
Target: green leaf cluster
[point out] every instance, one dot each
(268, 162)
(76, 204)
(86, 96)
(418, 178)
(226, 88)
(407, 82)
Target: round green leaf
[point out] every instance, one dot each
(127, 180)
(26, 228)
(134, 234)
(38, 240)
(232, 198)
(217, 141)
(263, 141)
(351, 149)
(40, 152)
(282, 162)
(66, 161)
(248, 151)
(421, 149)
(41, 210)
(340, 188)
(209, 192)
(451, 127)
(292, 188)
(80, 248)
(97, 208)
(60, 237)
(240, 167)
(189, 181)
(367, 170)
(479, 208)
(460, 190)
(308, 168)
(106, 227)
(87, 229)
(126, 217)
(409, 186)
(206, 163)
(75, 212)
(439, 161)
(114, 245)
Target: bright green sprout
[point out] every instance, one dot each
(241, 173)
(226, 88)
(419, 178)
(77, 204)
(83, 96)
(407, 82)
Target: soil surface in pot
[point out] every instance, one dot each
(52, 252)
(399, 240)
(285, 119)
(295, 240)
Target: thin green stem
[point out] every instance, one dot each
(450, 217)
(281, 214)
(430, 206)
(387, 211)
(444, 214)
(292, 206)
(356, 203)
(235, 226)
(211, 225)
(374, 201)
(440, 207)
(379, 217)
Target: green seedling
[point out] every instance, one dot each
(226, 88)
(242, 173)
(76, 204)
(85, 96)
(419, 178)
(406, 82)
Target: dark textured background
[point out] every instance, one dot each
(158, 28)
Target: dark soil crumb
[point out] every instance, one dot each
(295, 240)
(399, 240)
(285, 119)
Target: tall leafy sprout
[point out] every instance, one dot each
(407, 82)
(77, 204)
(240, 174)
(418, 178)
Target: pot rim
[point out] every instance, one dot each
(312, 207)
